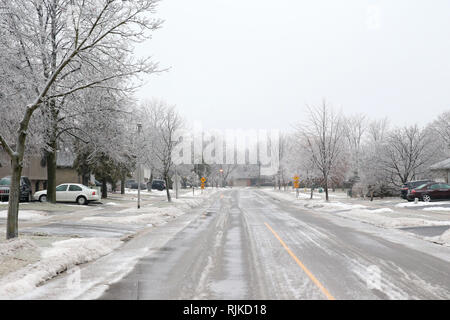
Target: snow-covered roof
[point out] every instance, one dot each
(443, 165)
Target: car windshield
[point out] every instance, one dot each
(5, 181)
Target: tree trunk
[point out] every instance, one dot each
(122, 185)
(166, 178)
(51, 173)
(51, 152)
(85, 179)
(12, 226)
(151, 180)
(104, 189)
(326, 187)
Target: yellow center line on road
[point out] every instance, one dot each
(308, 273)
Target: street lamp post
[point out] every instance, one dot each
(139, 125)
(176, 182)
(221, 176)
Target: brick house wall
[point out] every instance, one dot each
(67, 175)
(37, 173)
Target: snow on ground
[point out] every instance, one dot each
(390, 221)
(149, 215)
(26, 263)
(11, 247)
(381, 210)
(54, 260)
(443, 239)
(332, 206)
(26, 215)
(421, 204)
(111, 204)
(383, 217)
(437, 209)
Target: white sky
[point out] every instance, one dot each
(257, 63)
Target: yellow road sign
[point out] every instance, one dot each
(203, 179)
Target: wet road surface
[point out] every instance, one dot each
(248, 245)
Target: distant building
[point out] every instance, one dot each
(249, 175)
(441, 170)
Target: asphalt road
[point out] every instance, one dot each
(250, 246)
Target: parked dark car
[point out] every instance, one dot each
(134, 185)
(408, 186)
(129, 183)
(158, 184)
(25, 189)
(430, 191)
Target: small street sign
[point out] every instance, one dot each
(296, 182)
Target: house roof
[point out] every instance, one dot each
(443, 165)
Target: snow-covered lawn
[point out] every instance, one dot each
(397, 216)
(422, 204)
(153, 216)
(26, 215)
(437, 209)
(57, 258)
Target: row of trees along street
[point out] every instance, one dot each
(67, 78)
(67, 73)
(330, 148)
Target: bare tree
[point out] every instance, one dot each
(160, 124)
(441, 126)
(354, 129)
(407, 153)
(373, 174)
(323, 134)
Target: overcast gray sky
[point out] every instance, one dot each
(257, 63)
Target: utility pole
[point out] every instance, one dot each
(193, 179)
(139, 125)
(176, 182)
(259, 173)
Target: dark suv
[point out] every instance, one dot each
(408, 186)
(158, 185)
(25, 189)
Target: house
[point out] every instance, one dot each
(441, 170)
(35, 169)
(245, 176)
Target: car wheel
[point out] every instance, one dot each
(426, 198)
(81, 200)
(43, 198)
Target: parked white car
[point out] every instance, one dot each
(70, 192)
